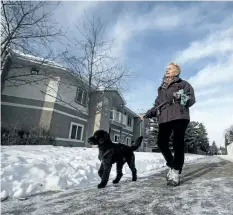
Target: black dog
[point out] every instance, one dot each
(110, 153)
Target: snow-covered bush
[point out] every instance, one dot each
(34, 136)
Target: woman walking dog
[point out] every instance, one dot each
(175, 97)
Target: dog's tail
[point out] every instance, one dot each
(137, 143)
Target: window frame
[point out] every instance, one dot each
(34, 71)
(129, 139)
(83, 93)
(118, 135)
(129, 118)
(70, 131)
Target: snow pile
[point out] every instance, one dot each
(29, 170)
(4, 195)
(230, 150)
(229, 155)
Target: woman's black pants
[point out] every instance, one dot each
(165, 130)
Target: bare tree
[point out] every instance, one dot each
(90, 62)
(27, 26)
(93, 60)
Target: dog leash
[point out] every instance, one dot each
(158, 112)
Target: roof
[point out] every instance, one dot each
(116, 91)
(133, 113)
(42, 61)
(120, 94)
(35, 59)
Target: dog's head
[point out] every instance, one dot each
(99, 137)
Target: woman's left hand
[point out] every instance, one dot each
(176, 95)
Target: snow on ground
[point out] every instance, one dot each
(227, 157)
(206, 188)
(28, 170)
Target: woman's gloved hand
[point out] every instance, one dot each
(150, 113)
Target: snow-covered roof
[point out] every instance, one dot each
(43, 61)
(35, 59)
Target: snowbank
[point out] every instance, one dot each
(226, 157)
(230, 150)
(229, 155)
(28, 170)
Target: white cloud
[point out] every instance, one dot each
(214, 102)
(213, 45)
(214, 111)
(69, 13)
(214, 73)
(160, 17)
(209, 91)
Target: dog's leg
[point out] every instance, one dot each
(119, 167)
(107, 166)
(101, 170)
(131, 164)
(105, 175)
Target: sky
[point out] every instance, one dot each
(148, 35)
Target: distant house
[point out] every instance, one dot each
(47, 95)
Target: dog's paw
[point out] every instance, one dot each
(101, 186)
(115, 181)
(134, 179)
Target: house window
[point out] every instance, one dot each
(81, 97)
(117, 116)
(129, 123)
(34, 71)
(76, 131)
(128, 141)
(116, 137)
(111, 114)
(124, 118)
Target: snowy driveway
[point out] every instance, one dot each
(207, 188)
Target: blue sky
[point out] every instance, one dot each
(149, 35)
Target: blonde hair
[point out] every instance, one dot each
(177, 67)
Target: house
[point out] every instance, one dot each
(40, 93)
